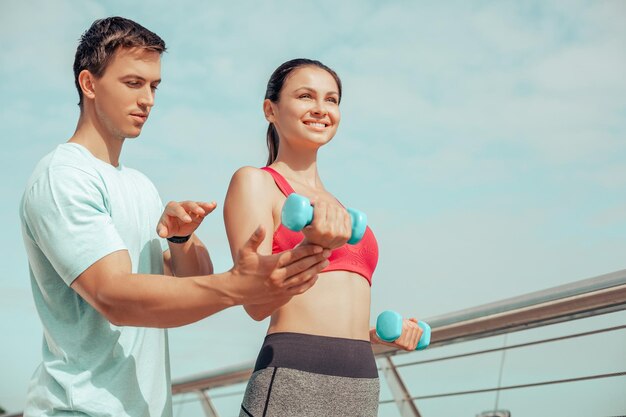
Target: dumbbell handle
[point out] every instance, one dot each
(389, 328)
(297, 213)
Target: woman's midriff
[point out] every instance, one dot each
(338, 305)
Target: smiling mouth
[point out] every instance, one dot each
(315, 124)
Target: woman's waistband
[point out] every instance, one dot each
(318, 354)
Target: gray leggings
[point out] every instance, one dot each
(312, 376)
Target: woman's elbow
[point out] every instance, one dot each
(256, 315)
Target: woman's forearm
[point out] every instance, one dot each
(261, 311)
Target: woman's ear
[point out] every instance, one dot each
(268, 110)
(86, 83)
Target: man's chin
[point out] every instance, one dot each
(133, 134)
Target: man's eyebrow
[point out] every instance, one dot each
(139, 77)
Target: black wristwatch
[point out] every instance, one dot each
(179, 239)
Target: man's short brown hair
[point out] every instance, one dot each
(99, 43)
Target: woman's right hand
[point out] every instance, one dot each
(331, 227)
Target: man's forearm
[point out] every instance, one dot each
(160, 301)
(190, 258)
(145, 300)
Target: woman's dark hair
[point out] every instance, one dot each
(98, 45)
(274, 87)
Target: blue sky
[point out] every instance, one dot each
(485, 140)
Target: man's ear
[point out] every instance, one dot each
(86, 83)
(268, 110)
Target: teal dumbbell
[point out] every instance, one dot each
(298, 213)
(389, 328)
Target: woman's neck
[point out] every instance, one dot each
(300, 167)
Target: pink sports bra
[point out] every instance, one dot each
(360, 258)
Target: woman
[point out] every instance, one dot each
(317, 358)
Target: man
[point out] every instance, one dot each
(99, 268)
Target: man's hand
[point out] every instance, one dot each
(268, 278)
(183, 218)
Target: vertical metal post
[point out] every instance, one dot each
(398, 390)
(207, 405)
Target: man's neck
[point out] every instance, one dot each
(98, 141)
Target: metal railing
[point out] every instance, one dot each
(582, 299)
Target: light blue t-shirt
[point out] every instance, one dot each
(75, 210)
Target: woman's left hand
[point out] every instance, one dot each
(409, 338)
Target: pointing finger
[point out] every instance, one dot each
(174, 209)
(207, 207)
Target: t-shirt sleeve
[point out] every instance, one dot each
(66, 214)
